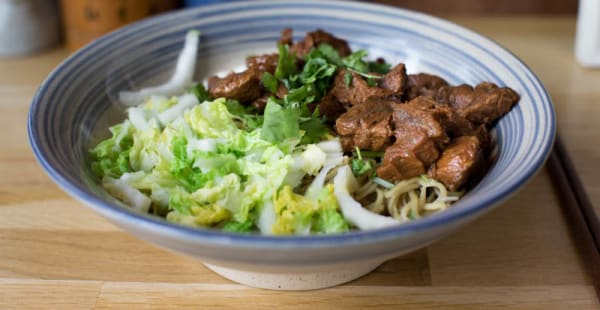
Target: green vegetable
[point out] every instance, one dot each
(327, 51)
(111, 156)
(294, 213)
(270, 82)
(239, 227)
(355, 62)
(286, 63)
(201, 93)
(314, 129)
(182, 169)
(211, 119)
(358, 165)
(372, 154)
(381, 68)
(279, 123)
(328, 219)
(371, 82)
(245, 114)
(348, 78)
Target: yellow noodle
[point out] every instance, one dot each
(408, 199)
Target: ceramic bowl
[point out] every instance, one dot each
(75, 105)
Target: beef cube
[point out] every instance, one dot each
(491, 102)
(459, 161)
(366, 126)
(423, 84)
(244, 86)
(457, 97)
(313, 39)
(417, 141)
(421, 113)
(263, 63)
(286, 36)
(481, 105)
(357, 92)
(399, 164)
(395, 80)
(330, 107)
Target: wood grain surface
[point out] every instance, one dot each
(57, 254)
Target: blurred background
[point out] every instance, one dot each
(27, 26)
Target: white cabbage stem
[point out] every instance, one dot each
(344, 183)
(127, 193)
(182, 77)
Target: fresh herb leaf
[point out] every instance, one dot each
(359, 165)
(302, 94)
(312, 83)
(250, 119)
(371, 82)
(234, 107)
(381, 68)
(270, 82)
(201, 93)
(314, 128)
(347, 78)
(279, 123)
(286, 64)
(355, 61)
(327, 52)
(367, 75)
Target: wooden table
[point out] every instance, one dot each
(56, 253)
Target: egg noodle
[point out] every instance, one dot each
(404, 201)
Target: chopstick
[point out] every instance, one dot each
(578, 209)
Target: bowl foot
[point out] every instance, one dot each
(295, 279)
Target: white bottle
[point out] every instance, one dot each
(587, 39)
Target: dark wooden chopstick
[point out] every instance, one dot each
(578, 209)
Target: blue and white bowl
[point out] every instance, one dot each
(75, 105)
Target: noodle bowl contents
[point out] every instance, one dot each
(313, 139)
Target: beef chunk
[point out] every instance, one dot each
(395, 80)
(313, 39)
(420, 133)
(457, 97)
(357, 91)
(244, 86)
(286, 36)
(366, 126)
(481, 105)
(421, 114)
(399, 164)
(461, 159)
(263, 63)
(423, 84)
(330, 107)
(416, 140)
